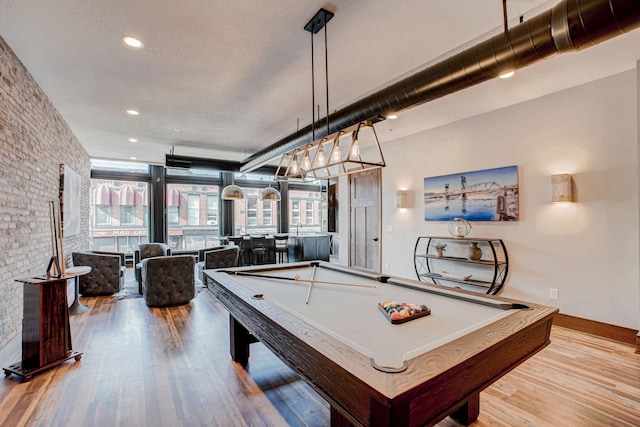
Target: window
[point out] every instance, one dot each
(295, 212)
(118, 210)
(309, 213)
(173, 214)
(103, 215)
(127, 215)
(102, 244)
(190, 227)
(212, 209)
(307, 209)
(127, 244)
(173, 206)
(266, 213)
(112, 165)
(252, 211)
(193, 209)
(194, 242)
(249, 214)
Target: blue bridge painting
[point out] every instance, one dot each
(484, 195)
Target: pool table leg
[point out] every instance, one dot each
(469, 411)
(239, 340)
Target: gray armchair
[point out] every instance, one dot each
(107, 272)
(147, 250)
(168, 280)
(223, 257)
(201, 252)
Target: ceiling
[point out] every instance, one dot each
(225, 79)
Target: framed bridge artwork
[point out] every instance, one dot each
(483, 195)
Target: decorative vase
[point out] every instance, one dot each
(473, 252)
(459, 227)
(439, 254)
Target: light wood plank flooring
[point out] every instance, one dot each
(171, 367)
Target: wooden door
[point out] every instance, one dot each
(365, 220)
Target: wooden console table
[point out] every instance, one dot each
(46, 333)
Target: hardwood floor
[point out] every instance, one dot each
(171, 367)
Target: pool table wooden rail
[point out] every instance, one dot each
(443, 381)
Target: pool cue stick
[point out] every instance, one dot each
(51, 225)
(326, 282)
(262, 276)
(61, 261)
(313, 275)
(56, 254)
(266, 276)
(53, 251)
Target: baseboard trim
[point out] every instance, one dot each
(617, 333)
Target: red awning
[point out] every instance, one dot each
(127, 196)
(103, 195)
(173, 197)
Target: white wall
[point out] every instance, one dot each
(588, 250)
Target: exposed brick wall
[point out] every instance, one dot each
(34, 141)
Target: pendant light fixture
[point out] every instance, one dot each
(232, 192)
(270, 194)
(325, 158)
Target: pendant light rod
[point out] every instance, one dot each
(504, 17)
(313, 94)
(318, 22)
(326, 75)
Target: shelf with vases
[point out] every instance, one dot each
(484, 256)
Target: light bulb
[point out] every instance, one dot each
(354, 154)
(306, 161)
(321, 161)
(335, 155)
(295, 167)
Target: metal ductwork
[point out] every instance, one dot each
(569, 26)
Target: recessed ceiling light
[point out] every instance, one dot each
(392, 116)
(132, 112)
(133, 140)
(176, 130)
(132, 41)
(506, 75)
(133, 158)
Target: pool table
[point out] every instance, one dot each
(372, 371)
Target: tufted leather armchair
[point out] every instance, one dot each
(222, 257)
(168, 280)
(107, 272)
(147, 250)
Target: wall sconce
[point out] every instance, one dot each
(561, 188)
(402, 199)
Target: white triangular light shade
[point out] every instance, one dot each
(270, 194)
(232, 192)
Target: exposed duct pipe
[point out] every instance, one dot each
(569, 26)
